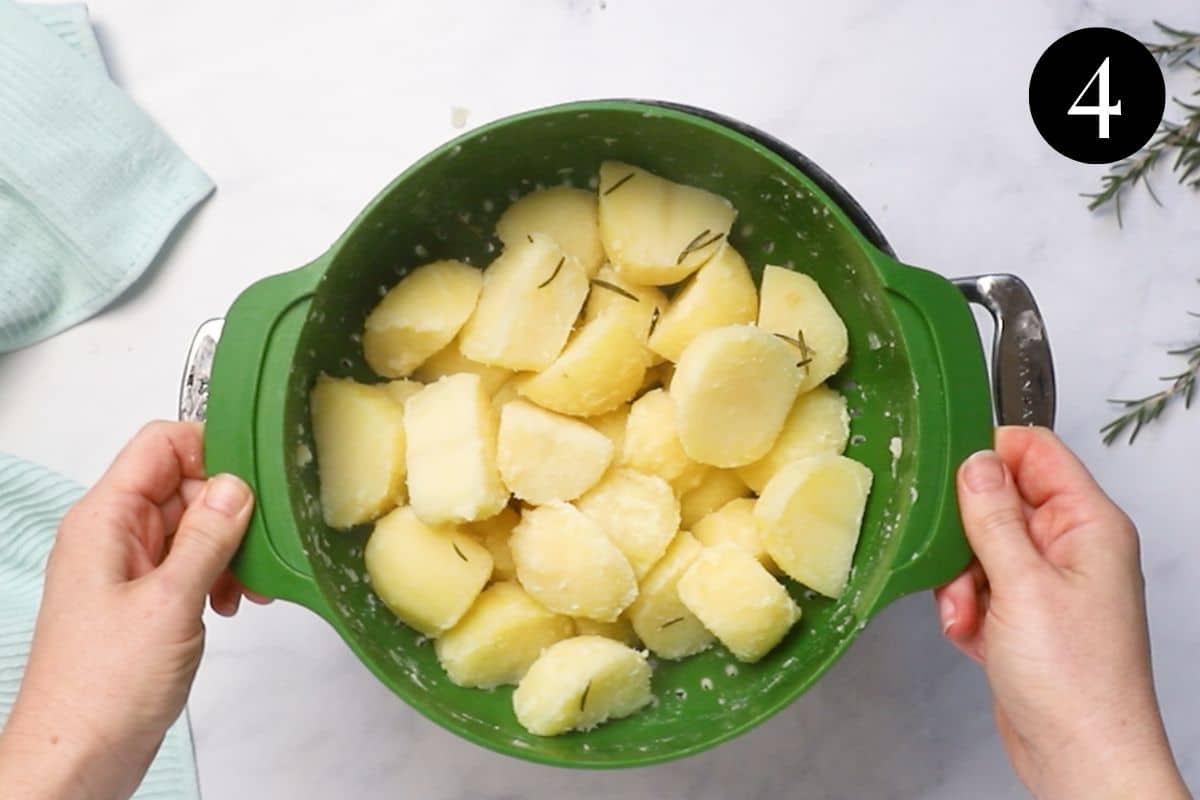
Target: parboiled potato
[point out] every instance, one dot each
(659, 617)
(657, 377)
(738, 600)
(612, 425)
(620, 631)
(509, 391)
(567, 563)
(638, 512)
(450, 361)
(568, 216)
(656, 231)
(734, 523)
(579, 683)
(721, 293)
(402, 389)
(419, 316)
(810, 514)
(531, 296)
(652, 442)
(498, 639)
(791, 302)
(359, 434)
(716, 488)
(494, 533)
(427, 575)
(545, 456)
(601, 368)
(451, 453)
(817, 424)
(641, 312)
(733, 388)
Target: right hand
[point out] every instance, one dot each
(1054, 610)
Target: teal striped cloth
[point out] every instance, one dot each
(32, 502)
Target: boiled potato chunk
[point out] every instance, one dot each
(621, 630)
(734, 523)
(509, 391)
(427, 575)
(566, 563)
(721, 293)
(579, 683)
(652, 442)
(738, 600)
(732, 389)
(716, 488)
(452, 473)
(791, 302)
(531, 296)
(359, 433)
(612, 425)
(638, 512)
(402, 389)
(601, 368)
(420, 316)
(500, 637)
(818, 423)
(639, 312)
(659, 617)
(545, 456)
(450, 361)
(810, 514)
(494, 533)
(656, 231)
(568, 216)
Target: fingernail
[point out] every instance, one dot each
(984, 471)
(946, 612)
(226, 494)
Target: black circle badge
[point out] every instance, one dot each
(1097, 95)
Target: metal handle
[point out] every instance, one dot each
(1022, 367)
(197, 370)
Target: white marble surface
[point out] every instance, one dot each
(301, 111)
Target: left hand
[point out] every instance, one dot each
(119, 635)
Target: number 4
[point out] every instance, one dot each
(1102, 110)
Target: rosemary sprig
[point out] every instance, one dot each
(619, 184)
(460, 552)
(1180, 139)
(553, 275)
(670, 622)
(1138, 413)
(584, 696)
(1179, 46)
(612, 287)
(698, 243)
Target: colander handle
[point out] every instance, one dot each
(235, 377)
(953, 420)
(1022, 367)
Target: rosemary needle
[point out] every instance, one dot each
(612, 287)
(619, 184)
(583, 697)
(460, 552)
(806, 352)
(553, 275)
(653, 322)
(670, 622)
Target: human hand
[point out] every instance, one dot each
(1054, 610)
(119, 634)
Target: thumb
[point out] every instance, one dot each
(209, 533)
(994, 518)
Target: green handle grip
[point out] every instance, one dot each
(251, 365)
(954, 421)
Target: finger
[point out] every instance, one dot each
(172, 508)
(208, 535)
(1043, 467)
(256, 598)
(226, 595)
(156, 460)
(957, 602)
(994, 519)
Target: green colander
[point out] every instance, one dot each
(916, 382)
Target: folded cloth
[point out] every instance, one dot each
(90, 186)
(32, 502)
